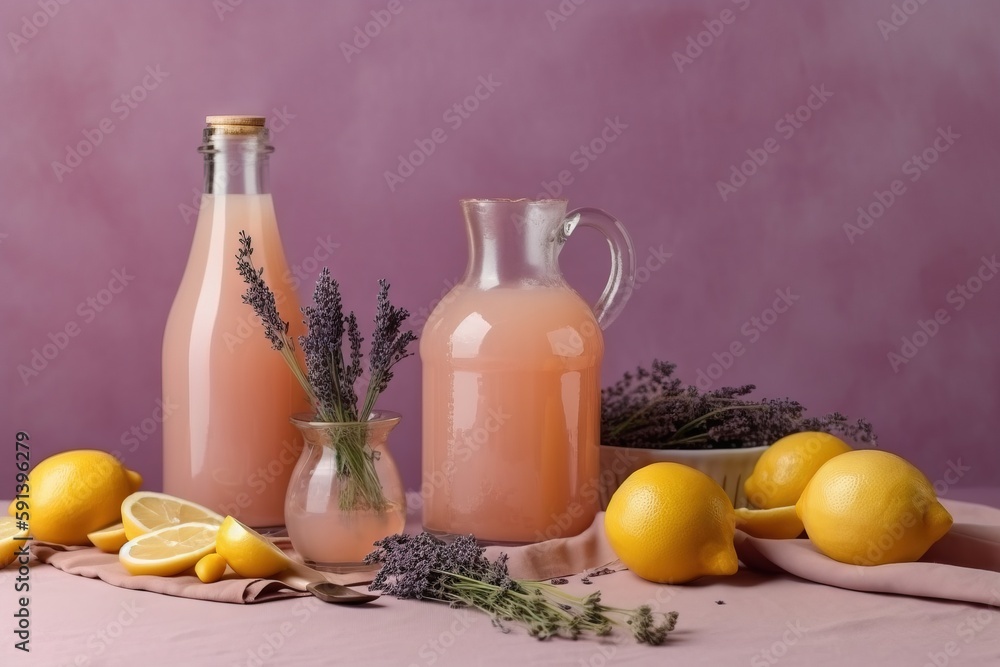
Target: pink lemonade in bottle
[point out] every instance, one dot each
(229, 444)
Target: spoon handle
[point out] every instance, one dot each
(299, 576)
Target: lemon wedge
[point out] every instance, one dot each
(249, 553)
(110, 540)
(210, 568)
(780, 523)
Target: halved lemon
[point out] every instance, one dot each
(170, 550)
(9, 542)
(110, 540)
(249, 553)
(779, 523)
(146, 511)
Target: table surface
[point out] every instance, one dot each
(750, 618)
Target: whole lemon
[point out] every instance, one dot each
(670, 523)
(76, 492)
(870, 507)
(782, 472)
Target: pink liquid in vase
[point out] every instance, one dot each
(327, 536)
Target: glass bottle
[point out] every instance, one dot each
(511, 378)
(229, 445)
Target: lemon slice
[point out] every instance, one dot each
(211, 568)
(109, 540)
(146, 511)
(9, 542)
(249, 553)
(780, 523)
(168, 551)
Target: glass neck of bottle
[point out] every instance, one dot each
(236, 164)
(513, 242)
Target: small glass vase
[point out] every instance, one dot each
(331, 524)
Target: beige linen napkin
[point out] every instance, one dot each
(963, 566)
(537, 561)
(95, 564)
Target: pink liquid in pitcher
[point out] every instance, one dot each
(511, 417)
(228, 444)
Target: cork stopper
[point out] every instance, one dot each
(235, 124)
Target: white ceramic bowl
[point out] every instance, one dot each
(728, 467)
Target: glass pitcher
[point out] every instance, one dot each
(511, 378)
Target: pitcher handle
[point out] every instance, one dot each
(622, 279)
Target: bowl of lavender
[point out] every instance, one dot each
(650, 416)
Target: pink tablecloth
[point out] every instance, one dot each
(748, 619)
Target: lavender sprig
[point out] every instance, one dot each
(654, 410)
(322, 348)
(260, 297)
(423, 567)
(389, 345)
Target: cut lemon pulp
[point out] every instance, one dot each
(146, 511)
(170, 550)
(779, 523)
(109, 540)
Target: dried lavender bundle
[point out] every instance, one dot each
(652, 409)
(423, 567)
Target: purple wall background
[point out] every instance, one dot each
(784, 228)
